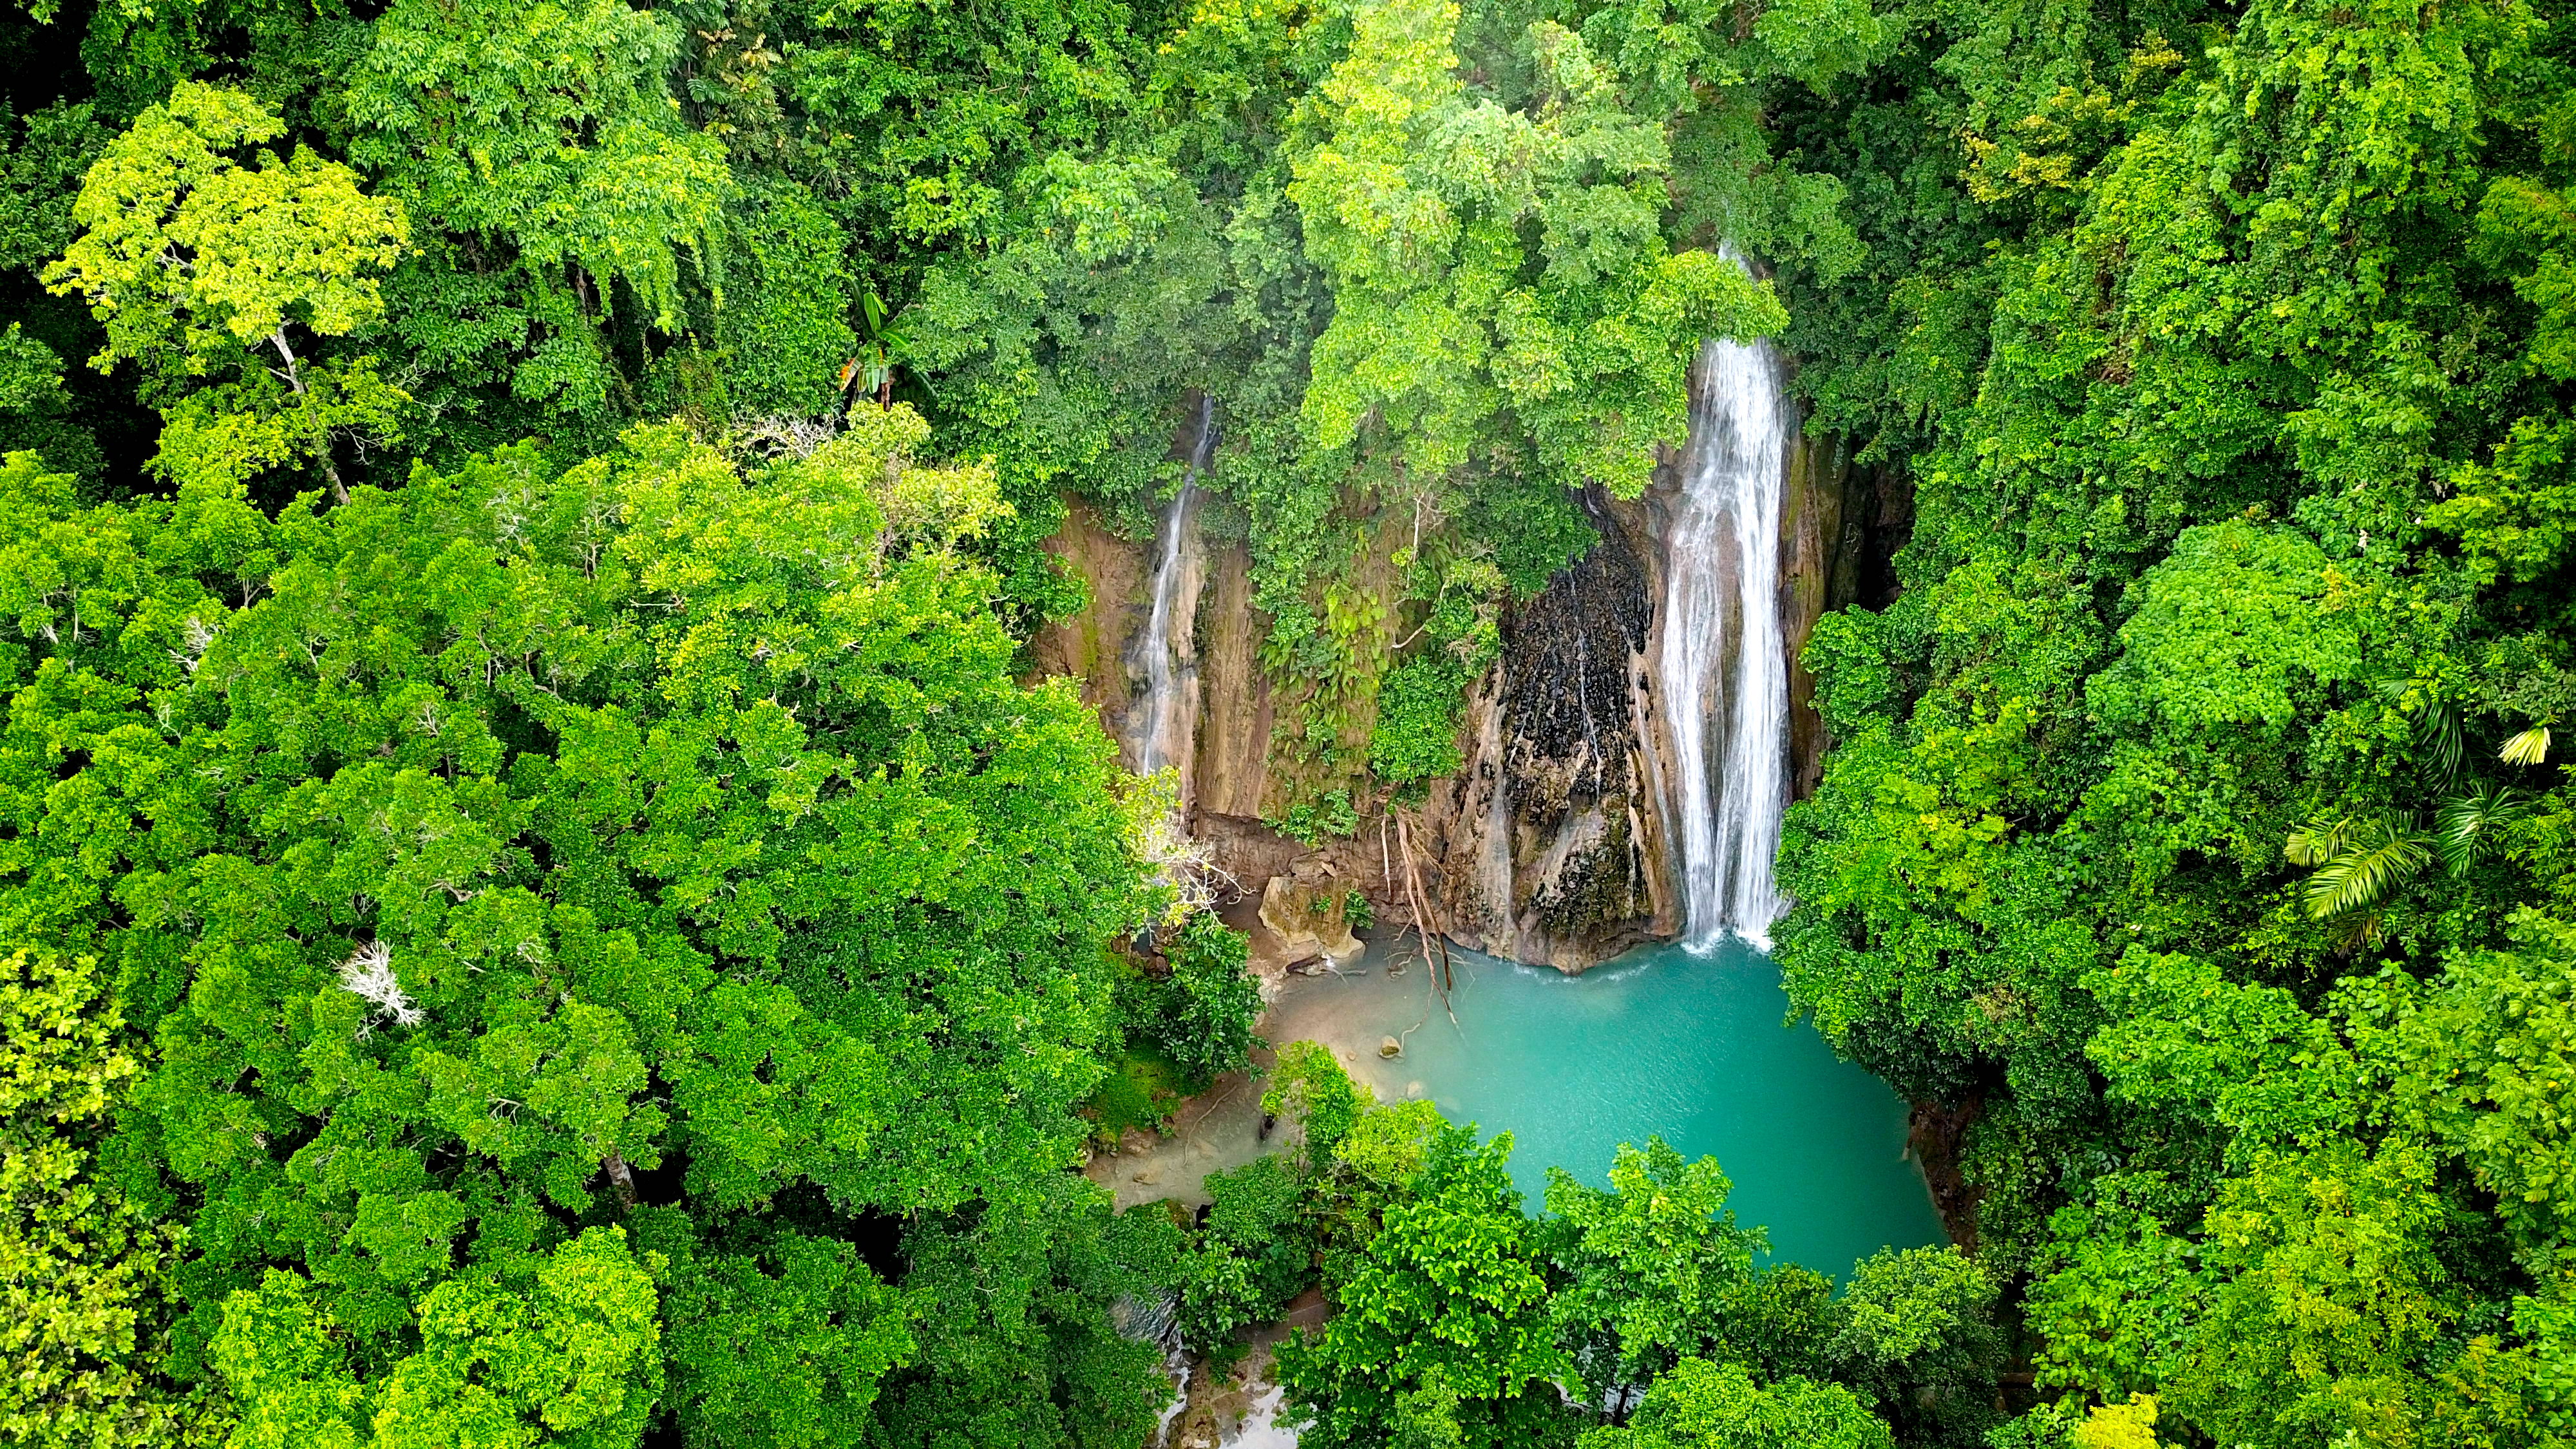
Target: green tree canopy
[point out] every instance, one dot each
(191, 260)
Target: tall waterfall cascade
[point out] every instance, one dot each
(1724, 663)
(1163, 714)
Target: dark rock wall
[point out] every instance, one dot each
(1840, 526)
(1549, 845)
(1568, 670)
(1813, 536)
(1229, 772)
(1093, 646)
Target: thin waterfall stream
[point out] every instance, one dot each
(1163, 714)
(1722, 608)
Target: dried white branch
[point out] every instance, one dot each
(1187, 863)
(368, 974)
(775, 439)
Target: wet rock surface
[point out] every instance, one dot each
(1549, 844)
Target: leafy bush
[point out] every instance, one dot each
(1199, 1018)
(1417, 720)
(1309, 1088)
(1311, 822)
(1250, 1259)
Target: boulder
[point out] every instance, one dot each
(1308, 908)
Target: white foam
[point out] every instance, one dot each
(1728, 799)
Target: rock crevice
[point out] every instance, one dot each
(1548, 846)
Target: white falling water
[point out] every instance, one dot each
(1261, 1428)
(1156, 1320)
(1722, 605)
(1163, 714)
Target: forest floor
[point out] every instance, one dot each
(1216, 1131)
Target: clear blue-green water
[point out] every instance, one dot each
(1660, 1042)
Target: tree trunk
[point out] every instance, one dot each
(621, 1177)
(295, 381)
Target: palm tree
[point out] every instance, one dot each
(2361, 860)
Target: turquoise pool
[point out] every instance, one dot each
(1659, 1042)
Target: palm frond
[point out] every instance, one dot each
(2528, 748)
(2464, 828)
(2441, 743)
(2320, 840)
(2362, 930)
(2381, 855)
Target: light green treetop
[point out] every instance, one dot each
(182, 244)
(1418, 199)
(1704, 1405)
(1653, 1264)
(191, 258)
(572, 1362)
(81, 1269)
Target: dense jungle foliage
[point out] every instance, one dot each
(538, 905)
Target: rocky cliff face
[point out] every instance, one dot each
(1840, 525)
(1229, 770)
(1553, 844)
(1811, 544)
(1550, 845)
(1094, 645)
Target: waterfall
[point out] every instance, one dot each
(1163, 715)
(1156, 1320)
(1721, 604)
(1261, 1428)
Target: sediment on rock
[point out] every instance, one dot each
(1308, 907)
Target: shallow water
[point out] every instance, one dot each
(1660, 1041)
